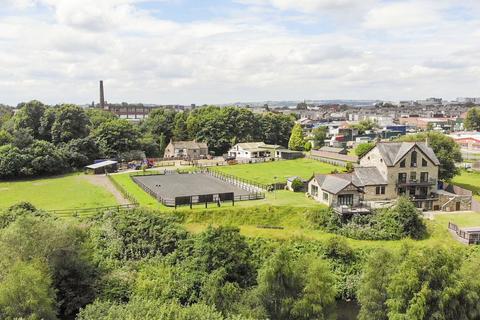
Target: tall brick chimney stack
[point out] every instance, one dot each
(102, 96)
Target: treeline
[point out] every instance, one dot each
(42, 140)
(144, 265)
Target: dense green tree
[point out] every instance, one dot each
(57, 245)
(447, 151)
(296, 288)
(307, 146)
(5, 137)
(472, 120)
(116, 136)
(363, 148)
(150, 145)
(276, 128)
(296, 141)
(149, 309)
(98, 116)
(180, 130)
(81, 152)
(319, 136)
(46, 158)
(6, 113)
(46, 123)
(160, 121)
(70, 123)
(372, 292)
(225, 247)
(133, 235)
(13, 162)
(26, 292)
(29, 116)
(22, 138)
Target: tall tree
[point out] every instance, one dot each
(292, 288)
(29, 117)
(71, 122)
(180, 131)
(116, 136)
(319, 136)
(26, 292)
(472, 121)
(372, 292)
(296, 141)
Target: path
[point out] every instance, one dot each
(104, 182)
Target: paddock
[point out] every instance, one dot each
(193, 188)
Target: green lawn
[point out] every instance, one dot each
(470, 181)
(64, 192)
(265, 172)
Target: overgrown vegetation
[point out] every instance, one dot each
(142, 264)
(401, 221)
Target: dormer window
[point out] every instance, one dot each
(402, 163)
(413, 159)
(424, 163)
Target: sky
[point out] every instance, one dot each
(214, 51)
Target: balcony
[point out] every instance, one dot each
(416, 183)
(422, 197)
(347, 211)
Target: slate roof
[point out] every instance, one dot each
(393, 152)
(361, 177)
(368, 176)
(190, 145)
(334, 183)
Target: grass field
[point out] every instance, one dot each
(470, 181)
(265, 172)
(64, 192)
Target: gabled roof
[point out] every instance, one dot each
(393, 152)
(189, 145)
(334, 183)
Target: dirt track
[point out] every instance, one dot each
(104, 182)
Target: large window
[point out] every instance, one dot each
(325, 196)
(424, 177)
(413, 159)
(314, 190)
(402, 177)
(345, 199)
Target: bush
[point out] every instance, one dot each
(297, 185)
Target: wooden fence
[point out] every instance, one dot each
(84, 211)
(245, 184)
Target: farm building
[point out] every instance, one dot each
(102, 167)
(186, 149)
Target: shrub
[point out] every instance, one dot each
(297, 185)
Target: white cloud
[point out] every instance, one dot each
(61, 51)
